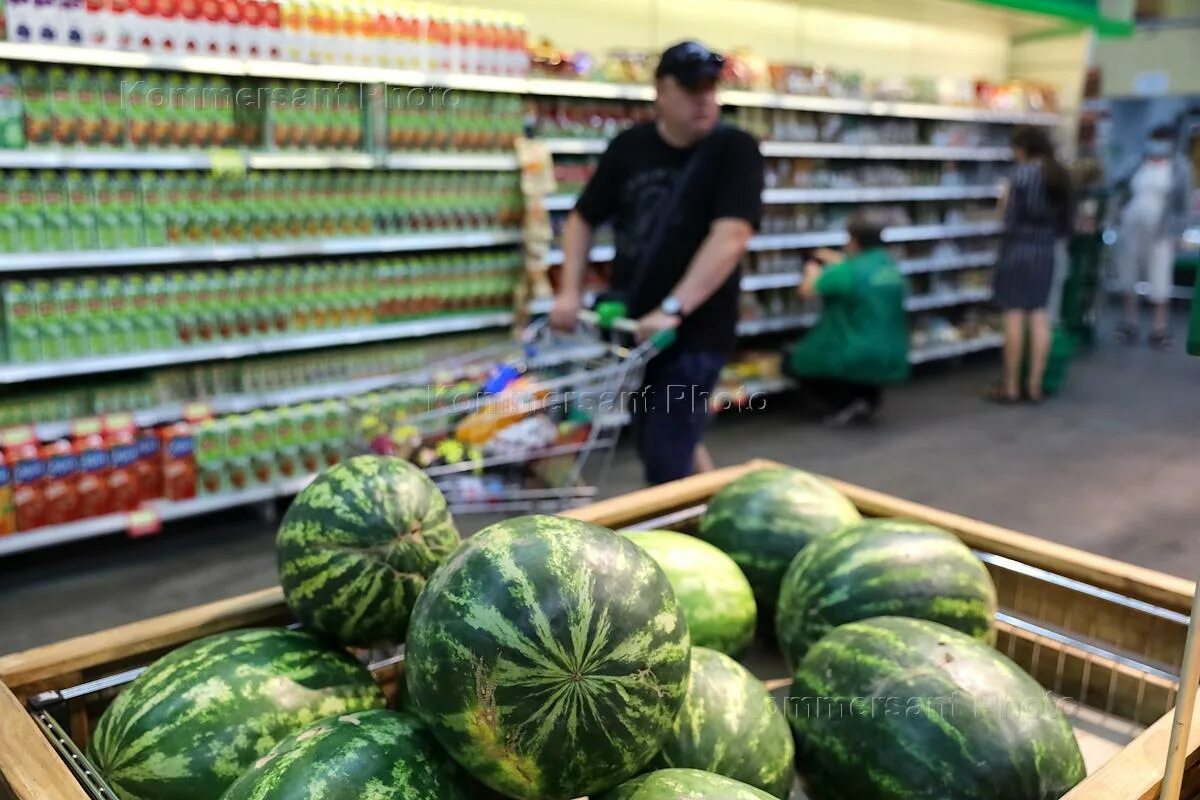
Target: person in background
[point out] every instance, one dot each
(684, 193)
(1035, 208)
(860, 343)
(1152, 222)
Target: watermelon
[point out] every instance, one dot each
(699, 573)
(684, 784)
(371, 754)
(549, 657)
(764, 518)
(896, 707)
(357, 546)
(883, 567)
(730, 725)
(196, 719)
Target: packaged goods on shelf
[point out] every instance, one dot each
(423, 119)
(106, 466)
(571, 117)
(67, 318)
(156, 209)
(430, 37)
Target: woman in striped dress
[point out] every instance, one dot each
(1035, 208)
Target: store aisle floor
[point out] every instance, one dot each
(1109, 467)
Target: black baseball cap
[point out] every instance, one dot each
(690, 63)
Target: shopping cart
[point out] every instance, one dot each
(528, 426)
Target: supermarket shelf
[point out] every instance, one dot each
(725, 399)
(576, 147)
(599, 255)
(22, 373)
(184, 159)
(889, 152)
(560, 202)
(919, 233)
(955, 349)
(536, 86)
(883, 108)
(499, 162)
(789, 322)
(566, 202)
(776, 149)
(798, 241)
(947, 299)
(917, 266)
(813, 239)
(780, 280)
(155, 256)
(167, 510)
(880, 194)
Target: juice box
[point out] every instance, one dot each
(155, 326)
(262, 468)
(12, 112)
(122, 310)
(333, 421)
(56, 211)
(308, 417)
(287, 462)
(112, 119)
(211, 478)
(179, 461)
(225, 304)
(64, 125)
(38, 119)
(311, 458)
(238, 440)
(175, 206)
(9, 214)
(197, 200)
(49, 320)
(264, 425)
(158, 229)
(287, 427)
(27, 194)
(8, 513)
(238, 474)
(74, 318)
(88, 106)
(273, 293)
(181, 289)
(21, 326)
(136, 107)
(211, 441)
(204, 292)
(98, 320)
(81, 201)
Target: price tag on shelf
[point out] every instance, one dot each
(227, 162)
(143, 522)
(197, 411)
(19, 435)
(118, 422)
(86, 426)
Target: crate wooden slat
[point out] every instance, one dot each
(30, 769)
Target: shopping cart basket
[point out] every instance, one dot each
(518, 427)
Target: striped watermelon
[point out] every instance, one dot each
(201, 715)
(372, 754)
(357, 545)
(883, 567)
(699, 573)
(549, 657)
(895, 707)
(684, 784)
(730, 725)
(764, 518)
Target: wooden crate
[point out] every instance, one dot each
(1092, 629)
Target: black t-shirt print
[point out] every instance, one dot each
(633, 181)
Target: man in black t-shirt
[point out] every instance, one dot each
(684, 194)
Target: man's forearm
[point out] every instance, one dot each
(577, 247)
(713, 263)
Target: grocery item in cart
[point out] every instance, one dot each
(523, 438)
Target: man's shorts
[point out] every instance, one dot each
(671, 411)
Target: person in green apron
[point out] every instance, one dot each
(860, 343)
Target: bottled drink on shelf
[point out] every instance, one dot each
(249, 34)
(271, 42)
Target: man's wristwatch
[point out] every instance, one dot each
(672, 306)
